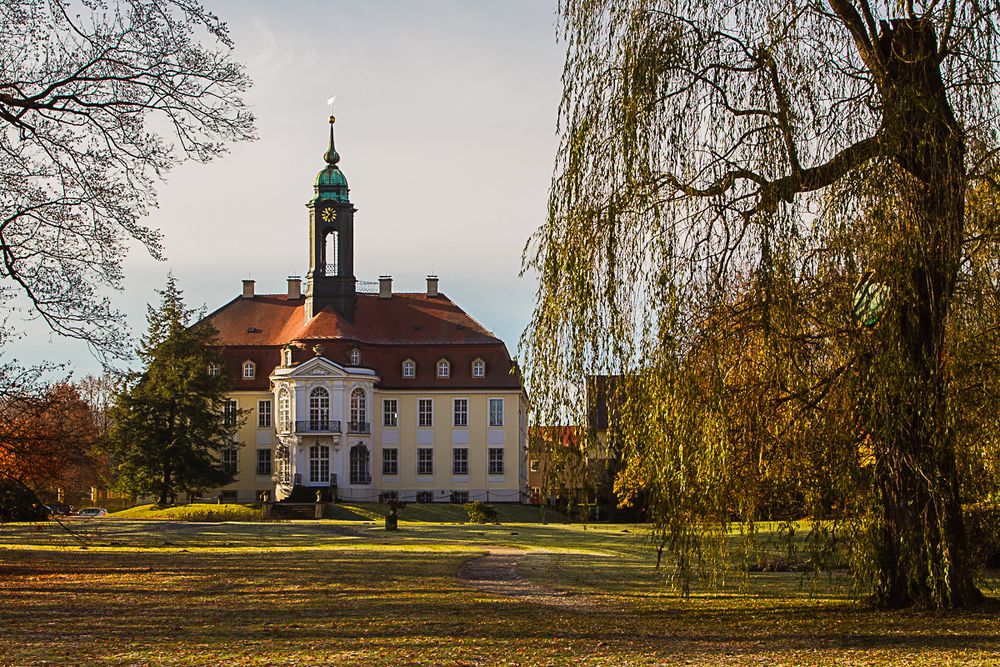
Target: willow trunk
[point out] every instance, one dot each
(922, 557)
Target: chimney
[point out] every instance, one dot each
(294, 288)
(432, 286)
(247, 289)
(385, 287)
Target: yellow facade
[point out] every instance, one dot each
(442, 437)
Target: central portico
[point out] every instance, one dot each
(323, 431)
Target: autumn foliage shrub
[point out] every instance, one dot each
(18, 503)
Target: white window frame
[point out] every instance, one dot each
(359, 406)
(231, 460)
(214, 370)
(460, 461)
(359, 465)
(494, 463)
(319, 414)
(249, 370)
(284, 410)
(390, 415)
(480, 366)
(443, 368)
(355, 356)
(456, 413)
(425, 461)
(230, 412)
(317, 473)
(390, 461)
(286, 356)
(264, 416)
(421, 413)
(496, 423)
(270, 460)
(409, 369)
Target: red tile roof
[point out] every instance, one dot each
(386, 331)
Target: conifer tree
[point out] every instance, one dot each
(169, 426)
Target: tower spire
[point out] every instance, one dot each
(331, 156)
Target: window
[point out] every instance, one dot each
(355, 357)
(249, 370)
(388, 497)
(264, 461)
(284, 410)
(286, 357)
(319, 409)
(227, 496)
(214, 370)
(359, 411)
(478, 368)
(443, 368)
(319, 463)
(230, 461)
(496, 412)
(425, 412)
(331, 253)
(390, 461)
(425, 497)
(409, 369)
(460, 497)
(425, 461)
(230, 412)
(496, 461)
(263, 414)
(460, 461)
(461, 412)
(533, 465)
(360, 467)
(390, 414)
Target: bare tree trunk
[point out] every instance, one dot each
(923, 557)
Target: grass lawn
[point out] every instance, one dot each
(153, 592)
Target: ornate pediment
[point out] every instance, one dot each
(318, 367)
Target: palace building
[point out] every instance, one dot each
(362, 392)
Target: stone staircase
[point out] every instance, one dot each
(291, 511)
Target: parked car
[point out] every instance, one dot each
(59, 509)
(92, 512)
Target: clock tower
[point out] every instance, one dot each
(330, 281)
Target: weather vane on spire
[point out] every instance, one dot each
(329, 103)
(331, 156)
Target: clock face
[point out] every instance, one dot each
(329, 215)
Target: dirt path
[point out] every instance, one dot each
(497, 573)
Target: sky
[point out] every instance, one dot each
(446, 128)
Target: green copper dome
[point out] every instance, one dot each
(331, 183)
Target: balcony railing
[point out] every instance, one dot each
(363, 428)
(318, 426)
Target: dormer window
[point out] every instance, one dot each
(355, 357)
(214, 370)
(443, 368)
(409, 369)
(478, 368)
(286, 356)
(249, 370)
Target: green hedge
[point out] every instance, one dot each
(195, 512)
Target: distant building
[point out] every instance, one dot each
(375, 394)
(570, 464)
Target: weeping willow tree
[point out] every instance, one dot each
(774, 220)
